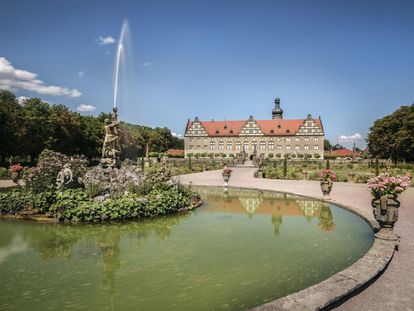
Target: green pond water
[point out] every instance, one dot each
(239, 250)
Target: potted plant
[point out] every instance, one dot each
(15, 170)
(326, 177)
(226, 175)
(385, 190)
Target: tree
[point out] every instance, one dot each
(327, 145)
(393, 136)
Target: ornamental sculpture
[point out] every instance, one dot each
(111, 147)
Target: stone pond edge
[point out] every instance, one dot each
(341, 284)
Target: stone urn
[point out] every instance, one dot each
(15, 176)
(226, 177)
(386, 214)
(326, 187)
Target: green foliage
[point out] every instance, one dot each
(376, 167)
(328, 165)
(327, 145)
(300, 155)
(278, 155)
(393, 136)
(43, 177)
(74, 205)
(28, 129)
(4, 173)
(271, 155)
(316, 155)
(16, 201)
(285, 167)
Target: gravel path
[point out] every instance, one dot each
(394, 289)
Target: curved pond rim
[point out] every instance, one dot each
(340, 285)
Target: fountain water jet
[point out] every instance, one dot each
(120, 57)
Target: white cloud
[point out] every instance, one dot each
(146, 64)
(350, 138)
(12, 78)
(81, 73)
(177, 135)
(105, 40)
(85, 108)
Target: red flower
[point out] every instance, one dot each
(16, 168)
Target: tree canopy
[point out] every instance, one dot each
(393, 135)
(28, 129)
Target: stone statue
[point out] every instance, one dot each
(66, 180)
(261, 162)
(111, 146)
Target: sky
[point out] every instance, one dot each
(350, 62)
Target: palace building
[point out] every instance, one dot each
(297, 138)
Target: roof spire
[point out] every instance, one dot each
(277, 112)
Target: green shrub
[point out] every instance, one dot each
(4, 172)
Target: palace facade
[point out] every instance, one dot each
(297, 138)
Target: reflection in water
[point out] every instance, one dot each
(278, 205)
(201, 260)
(326, 222)
(58, 240)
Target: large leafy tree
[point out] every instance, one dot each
(393, 136)
(36, 125)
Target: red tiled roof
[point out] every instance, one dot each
(233, 128)
(342, 153)
(175, 151)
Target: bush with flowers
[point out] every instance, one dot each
(226, 171)
(326, 175)
(16, 168)
(385, 184)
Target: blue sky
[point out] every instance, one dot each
(351, 62)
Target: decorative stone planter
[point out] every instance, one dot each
(326, 187)
(386, 214)
(226, 178)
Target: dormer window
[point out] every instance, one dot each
(272, 131)
(231, 131)
(217, 131)
(225, 126)
(278, 126)
(287, 131)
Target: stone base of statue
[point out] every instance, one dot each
(109, 162)
(387, 234)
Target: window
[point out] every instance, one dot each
(279, 147)
(212, 145)
(316, 147)
(262, 145)
(297, 147)
(246, 145)
(191, 146)
(307, 139)
(297, 139)
(279, 139)
(306, 147)
(238, 145)
(271, 145)
(221, 145)
(287, 139)
(287, 147)
(205, 147)
(229, 145)
(191, 140)
(316, 139)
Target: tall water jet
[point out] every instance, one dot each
(120, 57)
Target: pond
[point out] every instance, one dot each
(242, 248)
